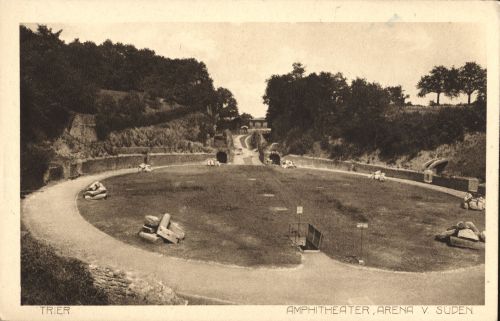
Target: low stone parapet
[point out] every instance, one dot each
(71, 169)
(456, 183)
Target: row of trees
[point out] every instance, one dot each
(468, 79)
(325, 108)
(59, 79)
(326, 104)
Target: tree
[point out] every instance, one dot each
(471, 78)
(298, 103)
(226, 103)
(244, 119)
(396, 95)
(222, 109)
(298, 70)
(440, 80)
(364, 121)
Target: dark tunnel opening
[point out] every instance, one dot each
(221, 157)
(275, 159)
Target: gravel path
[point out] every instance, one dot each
(51, 214)
(248, 157)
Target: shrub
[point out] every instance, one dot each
(35, 159)
(48, 279)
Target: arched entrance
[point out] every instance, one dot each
(221, 157)
(275, 159)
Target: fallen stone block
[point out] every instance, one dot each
(149, 237)
(144, 167)
(446, 234)
(165, 220)
(468, 234)
(167, 234)
(177, 229)
(148, 229)
(482, 236)
(96, 197)
(98, 191)
(465, 243)
(473, 203)
(471, 226)
(95, 185)
(151, 220)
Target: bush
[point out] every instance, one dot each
(48, 279)
(298, 143)
(35, 159)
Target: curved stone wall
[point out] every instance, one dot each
(96, 165)
(456, 183)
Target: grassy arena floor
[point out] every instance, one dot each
(230, 216)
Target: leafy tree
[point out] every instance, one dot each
(245, 119)
(51, 89)
(364, 116)
(396, 95)
(226, 103)
(472, 78)
(303, 102)
(223, 109)
(438, 81)
(452, 83)
(298, 70)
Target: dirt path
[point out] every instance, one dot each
(51, 214)
(248, 157)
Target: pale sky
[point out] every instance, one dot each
(241, 56)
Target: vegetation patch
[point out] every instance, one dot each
(49, 279)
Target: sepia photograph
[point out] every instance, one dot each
(315, 168)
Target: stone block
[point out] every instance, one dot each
(149, 237)
(167, 234)
(177, 229)
(465, 243)
(151, 220)
(468, 234)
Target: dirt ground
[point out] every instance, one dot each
(240, 215)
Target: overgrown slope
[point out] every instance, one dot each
(180, 135)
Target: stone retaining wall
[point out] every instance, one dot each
(95, 165)
(457, 183)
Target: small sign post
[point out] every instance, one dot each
(300, 211)
(361, 226)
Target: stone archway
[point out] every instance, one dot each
(275, 159)
(221, 157)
